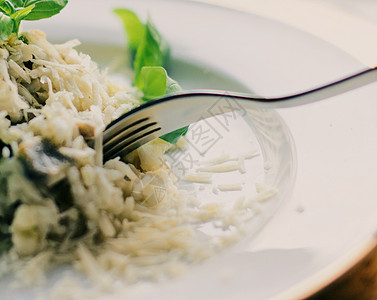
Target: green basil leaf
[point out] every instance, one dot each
(174, 136)
(152, 54)
(20, 14)
(152, 51)
(133, 27)
(148, 53)
(6, 7)
(152, 82)
(18, 3)
(7, 27)
(18, 10)
(44, 8)
(162, 43)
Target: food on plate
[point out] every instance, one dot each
(59, 203)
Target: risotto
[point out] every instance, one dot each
(59, 204)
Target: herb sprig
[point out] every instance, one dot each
(150, 55)
(14, 11)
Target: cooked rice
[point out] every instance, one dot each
(127, 221)
(230, 187)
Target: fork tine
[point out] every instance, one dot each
(118, 127)
(132, 146)
(125, 143)
(126, 134)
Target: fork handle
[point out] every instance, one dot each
(332, 89)
(158, 117)
(180, 109)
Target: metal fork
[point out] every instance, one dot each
(166, 114)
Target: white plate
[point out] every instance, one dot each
(331, 214)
